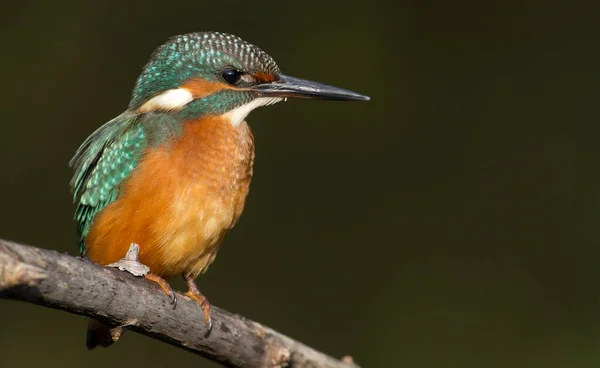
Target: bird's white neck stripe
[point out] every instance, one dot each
(169, 100)
(237, 115)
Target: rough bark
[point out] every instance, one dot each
(75, 285)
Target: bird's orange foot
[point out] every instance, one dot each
(196, 295)
(164, 285)
(131, 264)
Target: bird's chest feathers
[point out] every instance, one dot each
(211, 166)
(182, 198)
(207, 176)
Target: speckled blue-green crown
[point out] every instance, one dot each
(202, 54)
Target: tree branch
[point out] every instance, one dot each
(75, 285)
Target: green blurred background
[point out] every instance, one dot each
(445, 223)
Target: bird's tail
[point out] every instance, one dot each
(98, 334)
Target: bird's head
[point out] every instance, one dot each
(212, 73)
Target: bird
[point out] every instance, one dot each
(172, 172)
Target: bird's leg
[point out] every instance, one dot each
(131, 264)
(195, 294)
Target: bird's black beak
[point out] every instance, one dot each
(290, 87)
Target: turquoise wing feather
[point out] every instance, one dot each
(106, 157)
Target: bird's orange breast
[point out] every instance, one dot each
(180, 200)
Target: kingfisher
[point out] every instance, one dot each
(172, 172)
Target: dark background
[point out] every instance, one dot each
(445, 223)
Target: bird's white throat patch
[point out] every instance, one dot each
(237, 115)
(169, 100)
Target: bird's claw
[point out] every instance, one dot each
(206, 308)
(164, 285)
(173, 299)
(210, 326)
(207, 315)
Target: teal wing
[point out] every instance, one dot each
(106, 157)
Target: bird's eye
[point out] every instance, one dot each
(231, 76)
